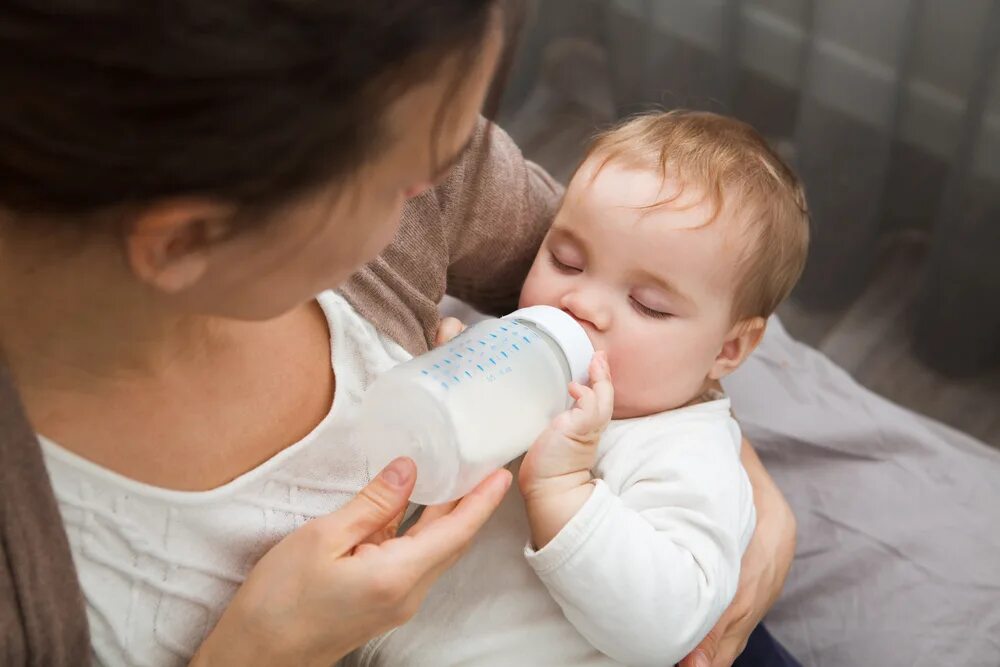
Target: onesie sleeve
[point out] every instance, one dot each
(645, 569)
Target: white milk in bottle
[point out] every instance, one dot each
(472, 405)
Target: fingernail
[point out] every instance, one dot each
(701, 660)
(398, 472)
(508, 478)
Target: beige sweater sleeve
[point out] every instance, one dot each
(473, 237)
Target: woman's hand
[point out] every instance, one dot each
(338, 581)
(763, 571)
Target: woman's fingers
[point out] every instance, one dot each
(727, 639)
(387, 532)
(723, 644)
(372, 511)
(443, 536)
(429, 515)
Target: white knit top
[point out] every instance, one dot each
(158, 566)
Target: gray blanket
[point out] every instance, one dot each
(898, 558)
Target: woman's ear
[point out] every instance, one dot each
(741, 340)
(168, 243)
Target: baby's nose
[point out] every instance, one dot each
(587, 310)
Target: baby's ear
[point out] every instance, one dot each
(741, 340)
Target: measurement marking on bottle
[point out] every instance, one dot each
(455, 378)
(437, 365)
(526, 340)
(468, 373)
(444, 384)
(470, 349)
(514, 345)
(504, 355)
(425, 372)
(459, 355)
(480, 368)
(448, 361)
(504, 329)
(493, 361)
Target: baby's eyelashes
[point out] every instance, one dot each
(646, 311)
(561, 266)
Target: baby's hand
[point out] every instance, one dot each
(448, 328)
(555, 473)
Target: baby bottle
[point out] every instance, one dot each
(472, 405)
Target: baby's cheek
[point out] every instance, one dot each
(537, 291)
(650, 379)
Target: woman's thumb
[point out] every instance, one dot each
(704, 654)
(376, 505)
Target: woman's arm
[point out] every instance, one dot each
(337, 582)
(763, 570)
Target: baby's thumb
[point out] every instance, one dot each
(375, 507)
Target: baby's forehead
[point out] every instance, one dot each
(626, 191)
(668, 223)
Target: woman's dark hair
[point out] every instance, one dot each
(109, 102)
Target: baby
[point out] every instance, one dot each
(679, 235)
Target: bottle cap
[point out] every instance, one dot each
(567, 334)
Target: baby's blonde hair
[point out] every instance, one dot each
(731, 162)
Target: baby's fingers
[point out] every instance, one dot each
(599, 369)
(448, 329)
(601, 386)
(577, 391)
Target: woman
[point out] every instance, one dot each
(175, 188)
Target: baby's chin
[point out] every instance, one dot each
(626, 409)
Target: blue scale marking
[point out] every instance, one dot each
(514, 345)
(504, 355)
(480, 368)
(425, 372)
(468, 373)
(493, 361)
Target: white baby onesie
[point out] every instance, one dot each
(644, 570)
(639, 575)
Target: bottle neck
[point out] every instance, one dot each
(557, 350)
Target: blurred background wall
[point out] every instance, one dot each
(890, 112)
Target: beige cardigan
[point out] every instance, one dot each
(473, 237)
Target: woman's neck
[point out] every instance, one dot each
(63, 328)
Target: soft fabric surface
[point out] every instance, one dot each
(898, 558)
